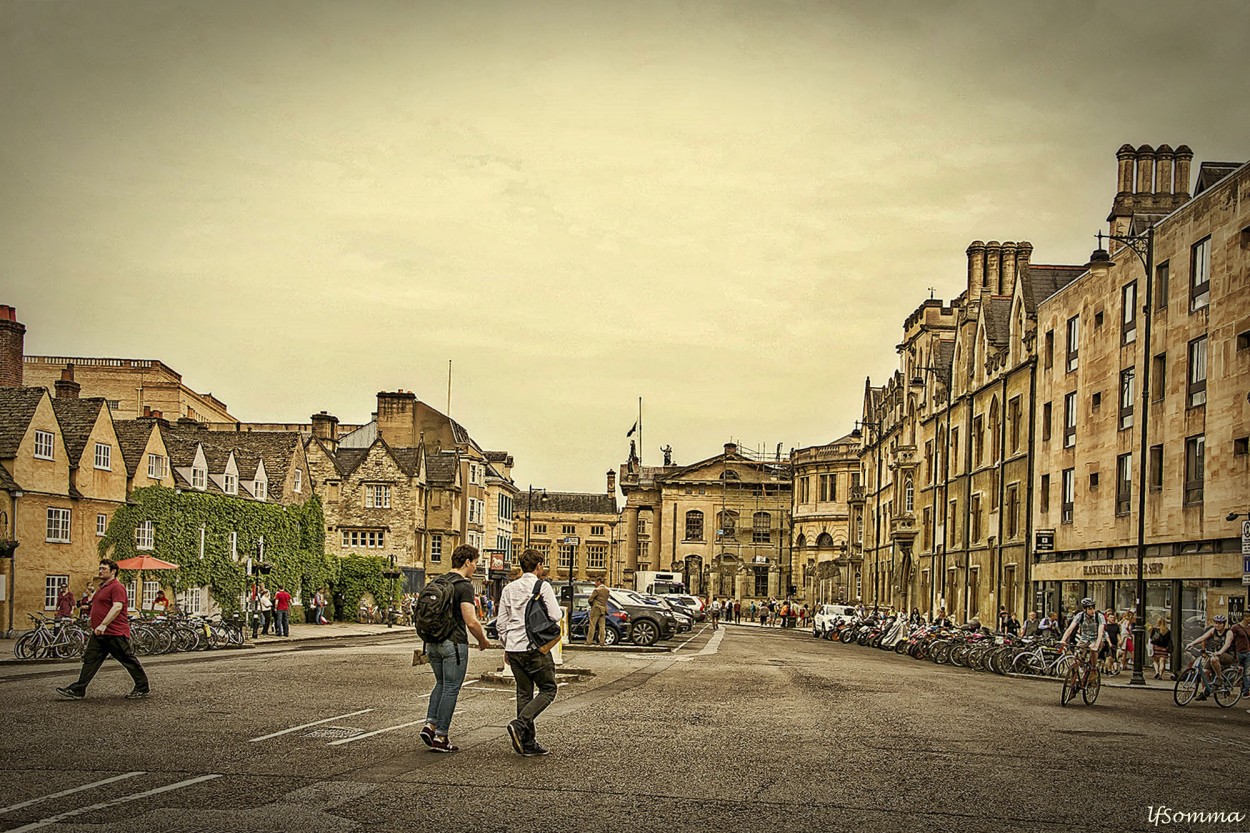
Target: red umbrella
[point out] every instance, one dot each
(141, 563)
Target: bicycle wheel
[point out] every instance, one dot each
(71, 644)
(1071, 685)
(1187, 685)
(1093, 684)
(26, 645)
(1228, 688)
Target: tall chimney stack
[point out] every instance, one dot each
(325, 427)
(1180, 175)
(12, 348)
(66, 387)
(993, 257)
(1163, 169)
(1007, 271)
(1145, 169)
(1124, 180)
(976, 269)
(611, 482)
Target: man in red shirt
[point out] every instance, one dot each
(110, 635)
(282, 612)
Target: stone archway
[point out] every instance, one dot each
(692, 572)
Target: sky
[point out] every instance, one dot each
(724, 208)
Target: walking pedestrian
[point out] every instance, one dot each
(715, 613)
(532, 665)
(266, 611)
(282, 612)
(1160, 646)
(65, 603)
(449, 658)
(597, 629)
(110, 636)
(737, 611)
(1241, 649)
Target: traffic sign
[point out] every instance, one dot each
(1245, 538)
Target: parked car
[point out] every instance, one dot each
(827, 614)
(649, 622)
(690, 605)
(618, 623)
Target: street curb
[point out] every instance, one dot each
(620, 648)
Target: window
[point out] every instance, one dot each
(378, 496)
(1048, 351)
(597, 529)
(43, 445)
(1045, 499)
(952, 522)
(596, 556)
(150, 589)
(805, 491)
(190, 601)
(1096, 400)
(1161, 286)
(299, 480)
(568, 529)
(1123, 483)
(1046, 414)
(52, 587)
(954, 458)
(1128, 313)
(978, 440)
(58, 526)
(974, 533)
(156, 467)
(761, 527)
(926, 528)
(1093, 481)
(199, 479)
(1069, 495)
(909, 495)
(930, 467)
(145, 536)
(642, 526)
(566, 555)
(234, 546)
(828, 487)
(369, 539)
(1013, 423)
(1241, 446)
(1158, 377)
(436, 547)
(1069, 420)
(1196, 391)
(727, 523)
(114, 404)
(644, 549)
(1156, 468)
(1074, 342)
(694, 525)
(1200, 275)
(230, 484)
(260, 488)
(1195, 448)
(1126, 397)
(1013, 511)
(540, 529)
(101, 525)
(104, 456)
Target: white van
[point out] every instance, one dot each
(826, 615)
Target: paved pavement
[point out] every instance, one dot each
(745, 729)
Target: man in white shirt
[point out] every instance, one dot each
(531, 664)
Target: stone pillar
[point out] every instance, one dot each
(631, 538)
(774, 581)
(1145, 169)
(12, 348)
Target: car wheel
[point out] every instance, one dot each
(611, 636)
(645, 633)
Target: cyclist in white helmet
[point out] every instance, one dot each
(1089, 626)
(1217, 640)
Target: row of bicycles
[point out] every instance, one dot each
(982, 650)
(63, 638)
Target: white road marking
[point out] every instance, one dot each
(13, 807)
(375, 732)
(306, 725)
(35, 825)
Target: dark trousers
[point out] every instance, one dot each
(532, 668)
(264, 622)
(118, 647)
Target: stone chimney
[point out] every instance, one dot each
(1149, 181)
(611, 483)
(12, 348)
(1007, 273)
(976, 269)
(1126, 155)
(993, 252)
(66, 387)
(189, 422)
(1180, 175)
(397, 418)
(1145, 169)
(325, 427)
(1024, 251)
(731, 448)
(1163, 169)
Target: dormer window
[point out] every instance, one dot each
(230, 484)
(260, 489)
(199, 479)
(156, 466)
(299, 480)
(44, 445)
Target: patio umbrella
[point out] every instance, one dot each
(142, 563)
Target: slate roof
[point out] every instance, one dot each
(276, 448)
(132, 436)
(997, 314)
(1042, 281)
(568, 503)
(440, 468)
(943, 358)
(7, 482)
(77, 417)
(497, 456)
(17, 408)
(1210, 173)
(348, 459)
(362, 437)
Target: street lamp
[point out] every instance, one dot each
(260, 568)
(1100, 263)
(529, 506)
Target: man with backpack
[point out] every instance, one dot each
(445, 615)
(527, 610)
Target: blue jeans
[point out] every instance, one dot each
(1243, 659)
(282, 623)
(450, 661)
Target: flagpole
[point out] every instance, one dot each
(641, 446)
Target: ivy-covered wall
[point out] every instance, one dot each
(294, 547)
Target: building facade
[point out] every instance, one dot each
(824, 477)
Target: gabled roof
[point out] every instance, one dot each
(17, 409)
(569, 503)
(7, 482)
(1210, 173)
(133, 436)
(441, 468)
(1040, 282)
(77, 418)
(276, 448)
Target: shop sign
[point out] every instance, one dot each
(1045, 541)
(1123, 568)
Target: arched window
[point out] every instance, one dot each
(761, 528)
(727, 523)
(730, 474)
(909, 495)
(995, 446)
(824, 540)
(694, 525)
(801, 541)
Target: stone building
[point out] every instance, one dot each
(824, 477)
(573, 530)
(129, 386)
(1144, 380)
(723, 522)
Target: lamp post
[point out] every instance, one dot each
(260, 568)
(529, 507)
(391, 574)
(1100, 263)
(8, 548)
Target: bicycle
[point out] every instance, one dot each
(1083, 677)
(62, 639)
(1227, 688)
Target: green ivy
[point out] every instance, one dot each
(358, 574)
(294, 539)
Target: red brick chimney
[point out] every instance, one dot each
(66, 387)
(12, 348)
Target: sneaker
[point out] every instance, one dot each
(1202, 696)
(427, 735)
(443, 745)
(137, 695)
(69, 693)
(516, 731)
(535, 751)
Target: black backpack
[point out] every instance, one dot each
(434, 611)
(539, 626)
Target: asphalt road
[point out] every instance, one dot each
(746, 730)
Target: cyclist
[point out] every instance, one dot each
(1217, 641)
(1090, 627)
(1241, 643)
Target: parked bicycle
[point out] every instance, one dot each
(51, 638)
